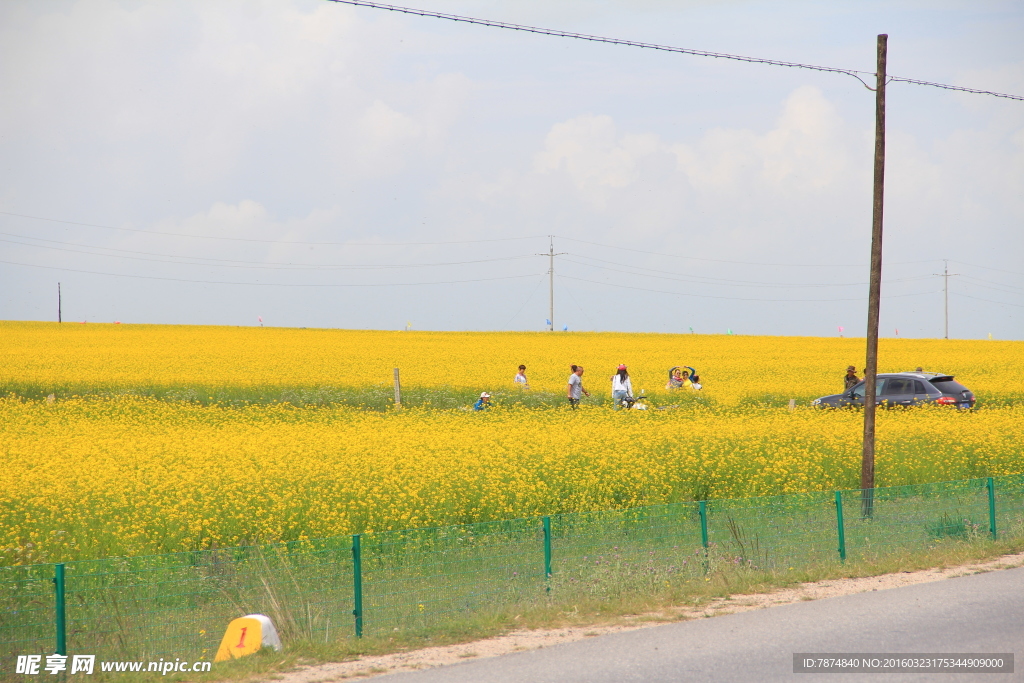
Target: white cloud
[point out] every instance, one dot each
(805, 151)
(588, 149)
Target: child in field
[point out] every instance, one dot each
(483, 403)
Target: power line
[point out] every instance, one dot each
(247, 239)
(227, 263)
(976, 298)
(269, 284)
(528, 299)
(722, 282)
(1009, 289)
(733, 298)
(740, 263)
(235, 263)
(654, 46)
(975, 265)
(955, 87)
(400, 244)
(573, 297)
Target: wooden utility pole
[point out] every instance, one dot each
(58, 303)
(867, 468)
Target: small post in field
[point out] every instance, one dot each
(991, 485)
(398, 390)
(792, 404)
(703, 510)
(547, 548)
(840, 526)
(60, 611)
(357, 584)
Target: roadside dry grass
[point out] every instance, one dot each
(723, 592)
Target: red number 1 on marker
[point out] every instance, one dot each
(241, 641)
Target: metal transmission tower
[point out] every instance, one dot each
(945, 274)
(551, 280)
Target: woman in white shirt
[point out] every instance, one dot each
(520, 378)
(621, 387)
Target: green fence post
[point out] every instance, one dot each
(703, 509)
(60, 612)
(991, 506)
(547, 548)
(357, 584)
(704, 524)
(841, 526)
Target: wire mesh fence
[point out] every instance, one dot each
(775, 532)
(614, 552)
(414, 580)
(884, 521)
(162, 605)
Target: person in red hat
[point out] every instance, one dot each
(622, 388)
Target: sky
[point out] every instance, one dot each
(305, 163)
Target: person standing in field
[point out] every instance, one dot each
(622, 388)
(575, 389)
(850, 379)
(520, 378)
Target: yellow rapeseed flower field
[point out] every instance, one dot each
(109, 473)
(100, 356)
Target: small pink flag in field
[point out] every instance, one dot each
(840, 330)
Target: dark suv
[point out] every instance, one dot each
(905, 389)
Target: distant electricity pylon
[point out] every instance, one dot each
(551, 280)
(945, 275)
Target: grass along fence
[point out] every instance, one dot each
(411, 581)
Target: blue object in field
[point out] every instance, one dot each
(565, 328)
(547, 322)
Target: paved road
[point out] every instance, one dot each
(980, 613)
